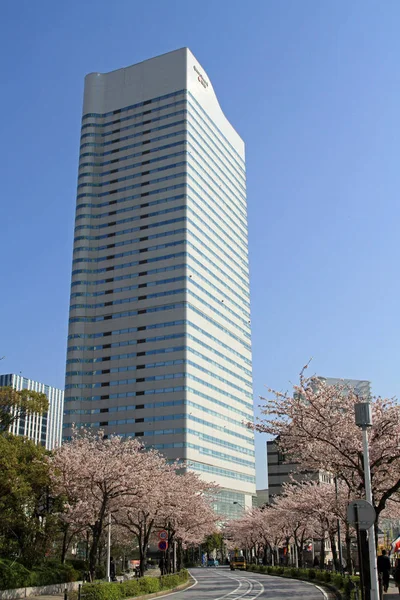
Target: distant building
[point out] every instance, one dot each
(361, 387)
(45, 429)
(280, 472)
(261, 498)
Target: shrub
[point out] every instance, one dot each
(294, 573)
(130, 588)
(263, 569)
(13, 575)
(101, 591)
(148, 585)
(173, 580)
(312, 574)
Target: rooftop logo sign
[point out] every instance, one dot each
(200, 78)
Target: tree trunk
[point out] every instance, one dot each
(179, 556)
(322, 555)
(64, 547)
(349, 559)
(334, 552)
(94, 548)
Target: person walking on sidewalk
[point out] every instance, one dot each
(384, 569)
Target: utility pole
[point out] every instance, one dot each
(109, 549)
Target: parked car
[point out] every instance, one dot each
(212, 562)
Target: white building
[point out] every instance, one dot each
(159, 332)
(43, 429)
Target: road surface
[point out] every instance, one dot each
(222, 584)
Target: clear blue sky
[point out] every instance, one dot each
(312, 87)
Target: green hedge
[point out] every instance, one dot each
(340, 582)
(14, 575)
(132, 588)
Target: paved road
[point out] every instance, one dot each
(222, 584)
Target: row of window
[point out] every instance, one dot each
(127, 355)
(189, 417)
(152, 309)
(242, 255)
(219, 290)
(168, 363)
(163, 377)
(121, 159)
(196, 106)
(158, 338)
(144, 162)
(205, 118)
(178, 305)
(118, 130)
(158, 138)
(135, 175)
(194, 147)
(144, 296)
(237, 230)
(118, 111)
(218, 471)
(131, 394)
(159, 191)
(131, 117)
(138, 115)
(160, 179)
(158, 405)
(182, 231)
(240, 215)
(163, 224)
(132, 136)
(222, 178)
(221, 147)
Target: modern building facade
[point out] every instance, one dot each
(43, 429)
(159, 329)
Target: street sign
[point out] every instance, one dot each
(163, 545)
(162, 535)
(366, 514)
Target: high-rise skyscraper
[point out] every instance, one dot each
(159, 330)
(43, 429)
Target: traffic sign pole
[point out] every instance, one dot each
(360, 554)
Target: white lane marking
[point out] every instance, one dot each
(323, 592)
(262, 589)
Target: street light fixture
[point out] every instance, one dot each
(363, 417)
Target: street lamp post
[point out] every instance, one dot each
(108, 571)
(244, 508)
(364, 420)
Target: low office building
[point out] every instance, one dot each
(280, 471)
(43, 429)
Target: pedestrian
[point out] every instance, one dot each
(396, 574)
(384, 569)
(112, 570)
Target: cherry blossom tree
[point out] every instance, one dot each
(315, 426)
(100, 477)
(188, 513)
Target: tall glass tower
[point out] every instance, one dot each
(159, 330)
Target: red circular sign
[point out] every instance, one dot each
(163, 545)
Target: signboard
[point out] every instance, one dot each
(163, 545)
(366, 514)
(162, 535)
